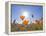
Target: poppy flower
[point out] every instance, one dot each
(25, 22)
(22, 17)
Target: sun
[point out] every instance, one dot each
(25, 13)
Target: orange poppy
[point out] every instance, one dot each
(25, 22)
(22, 17)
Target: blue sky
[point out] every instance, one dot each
(17, 11)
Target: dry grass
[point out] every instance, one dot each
(30, 27)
